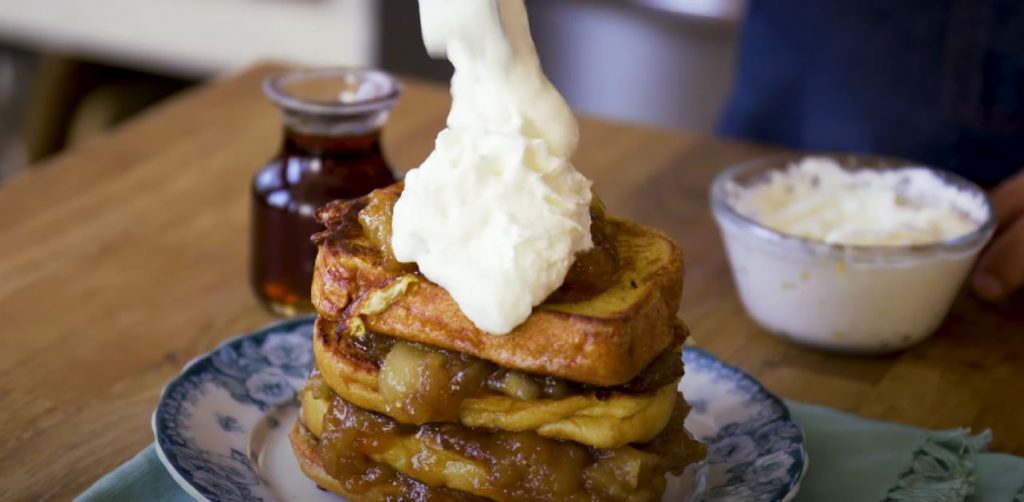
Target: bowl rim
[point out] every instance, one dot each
(968, 242)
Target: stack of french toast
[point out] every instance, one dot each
(409, 400)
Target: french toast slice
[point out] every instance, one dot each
(412, 383)
(475, 461)
(605, 338)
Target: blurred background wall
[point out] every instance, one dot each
(70, 69)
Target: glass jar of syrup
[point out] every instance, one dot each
(331, 150)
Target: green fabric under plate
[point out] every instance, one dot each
(854, 459)
(851, 459)
(1000, 477)
(141, 478)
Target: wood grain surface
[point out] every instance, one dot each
(125, 258)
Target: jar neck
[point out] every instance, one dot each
(334, 124)
(308, 144)
(332, 135)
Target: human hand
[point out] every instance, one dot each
(1000, 271)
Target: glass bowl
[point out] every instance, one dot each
(848, 298)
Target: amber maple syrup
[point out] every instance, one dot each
(331, 150)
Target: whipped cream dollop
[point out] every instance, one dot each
(818, 199)
(496, 214)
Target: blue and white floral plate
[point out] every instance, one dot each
(222, 426)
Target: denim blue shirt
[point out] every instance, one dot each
(937, 81)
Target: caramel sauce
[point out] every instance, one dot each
(349, 436)
(420, 385)
(424, 384)
(519, 466)
(594, 270)
(375, 220)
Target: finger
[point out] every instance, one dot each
(1000, 270)
(1008, 198)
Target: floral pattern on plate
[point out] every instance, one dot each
(208, 414)
(755, 449)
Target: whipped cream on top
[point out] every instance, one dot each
(818, 199)
(496, 213)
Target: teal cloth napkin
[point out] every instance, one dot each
(143, 478)
(855, 459)
(852, 459)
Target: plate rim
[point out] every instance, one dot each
(189, 369)
(794, 486)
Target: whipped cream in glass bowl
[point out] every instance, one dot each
(848, 252)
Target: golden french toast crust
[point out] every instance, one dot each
(597, 342)
(343, 351)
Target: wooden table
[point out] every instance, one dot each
(125, 258)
